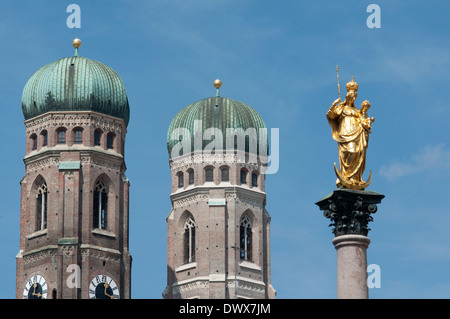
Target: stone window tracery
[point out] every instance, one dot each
(246, 238)
(41, 207)
(100, 211)
(189, 241)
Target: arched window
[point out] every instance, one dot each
(225, 172)
(246, 238)
(191, 177)
(100, 205)
(110, 140)
(41, 207)
(180, 179)
(61, 136)
(33, 142)
(189, 241)
(44, 137)
(243, 176)
(97, 136)
(78, 136)
(209, 176)
(254, 179)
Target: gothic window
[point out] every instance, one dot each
(41, 207)
(225, 174)
(209, 177)
(61, 136)
(191, 177)
(100, 205)
(78, 136)
(97, 135)
(243, 177)
(44, 138)
(246, 239)
(189, 241)
(109, 140)
(254, 179)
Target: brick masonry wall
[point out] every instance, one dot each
(69, 237)
(217, 266)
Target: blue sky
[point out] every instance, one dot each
(278, 57)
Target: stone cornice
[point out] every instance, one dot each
(197, 194)
(207, 158)
(89, 155)
(243, 284)
(103, 253)
(99, 248)
(40, 253)
(75, 118)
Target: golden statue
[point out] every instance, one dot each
(350, 129)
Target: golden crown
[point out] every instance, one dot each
(352, 85)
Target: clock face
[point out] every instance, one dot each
(103, 287)
(35, 288)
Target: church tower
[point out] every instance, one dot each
(74, 195)
(218, 230)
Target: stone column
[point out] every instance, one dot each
(350, 212)
(351, 266)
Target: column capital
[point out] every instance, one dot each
(350, 210)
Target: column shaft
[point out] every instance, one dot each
(351, 266)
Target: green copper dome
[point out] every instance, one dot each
(75, 84)
(217, 112)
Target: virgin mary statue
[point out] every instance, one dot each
(352, 136)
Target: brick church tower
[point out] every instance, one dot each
(74, 195)
(218, 230)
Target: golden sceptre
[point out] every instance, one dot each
(339, 87)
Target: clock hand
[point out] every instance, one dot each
(106, 287)
(34, 290)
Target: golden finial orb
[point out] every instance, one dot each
(217, 84)
(76, 43)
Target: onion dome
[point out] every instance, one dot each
(222, 113)
(75, 84)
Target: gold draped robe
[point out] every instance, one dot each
(352, 140)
